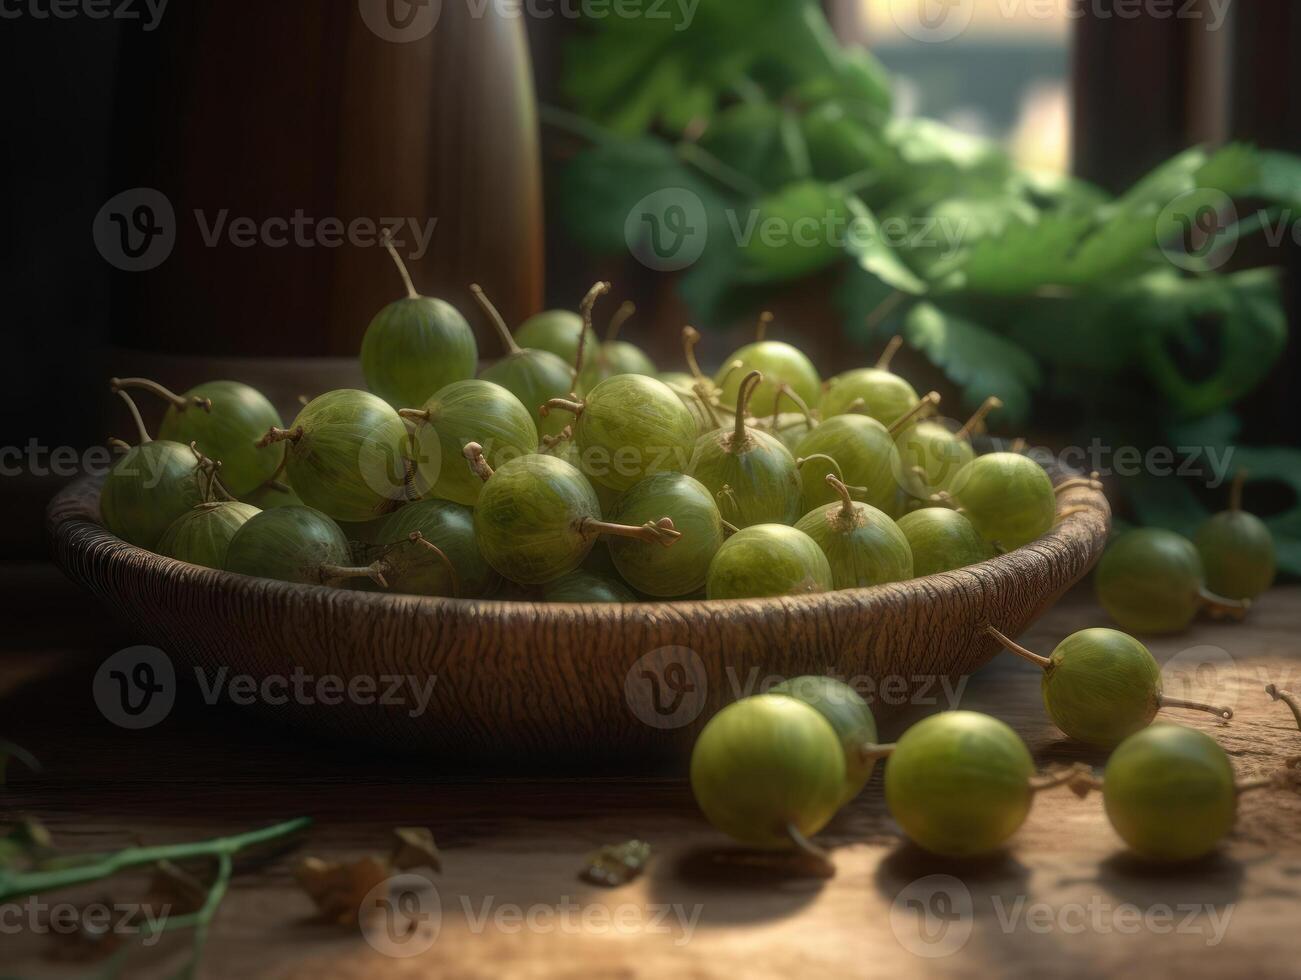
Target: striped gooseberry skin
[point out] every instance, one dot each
(228, 430)
(147, 489)
(1007, 497)
(413, 347)
(202, 536)
(291, 544)
(415, 569)
(941, 540)
(768, 560)
(651, 568)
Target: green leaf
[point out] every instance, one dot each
(1280, 178)
(978, 360)
(859, 298)
(1283, 465)
(873, 254)
(791, 233)
(1025, 257)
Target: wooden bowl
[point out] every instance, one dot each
(564, 682)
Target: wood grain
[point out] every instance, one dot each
(538, 681)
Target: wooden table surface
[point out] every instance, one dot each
(1063, 900)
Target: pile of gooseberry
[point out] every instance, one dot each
(570, 470)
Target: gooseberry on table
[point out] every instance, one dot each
(941, 540)
(416, 345)
(763, 481)
(769, 771)
(874, 391)
(863, 545)
(1101, 685)
(466, 411)
(149, 487)
(224, 419)
(1151, 580)
(1237, 550)
(768, 560)
(647, 566)
(778, 362)
(533, 376)
(537, 517)
(348, 454)
(959, 783)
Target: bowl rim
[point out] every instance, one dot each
(75, 527)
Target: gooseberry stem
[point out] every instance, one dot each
(744, 392)
(416, 415)
(977, 420)
(661, 532)
(178, 402)
(794, 398)
(691, 337)
(1235, 491)
(927, 402)
(761, 326)
(1223, 713)
(495, 318)
(882, 311)
(1090, 482)
(333, 574)
(275, 434)
(871, 751)
(119, 445)
(701, 390)
(1221, 608)
(135, 417)
(564, 404)
(415, 537)
(846, 501)
(387, 242)
(473, 453)
(811, 850)
(585, 311)
(1288, 698)
(891, 349)
(1019, 650)
(627, 309)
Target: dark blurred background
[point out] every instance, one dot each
(260, 109)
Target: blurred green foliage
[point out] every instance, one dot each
(1109, 312)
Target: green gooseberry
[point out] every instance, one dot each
(790, 428)
(779, 364)
(150, 486)
(753, 476)
(1101, 685)
(1008, 498)
(202, 535)
(667, 572)
(614, 356)
(942, 540)
(959, 783)
(295, 544)
(1169, 793)
(1151, 581)
(272, 494)
(347, 455)
(768, 560)
(1237, 550)
(863, 545)
(628, 427)
(533, 376)
(697, 391)
(768, 771)
(852, 720)
(557, 331)
(465, 411)
(431, 549)
(875, 391)
(581, 585)
(860, 451)
(537, 517)
(224, 419)
(416, 345)
(931, 455)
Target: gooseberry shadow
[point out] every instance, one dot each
(729, 881)
(1213, 880)
(907, 863)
